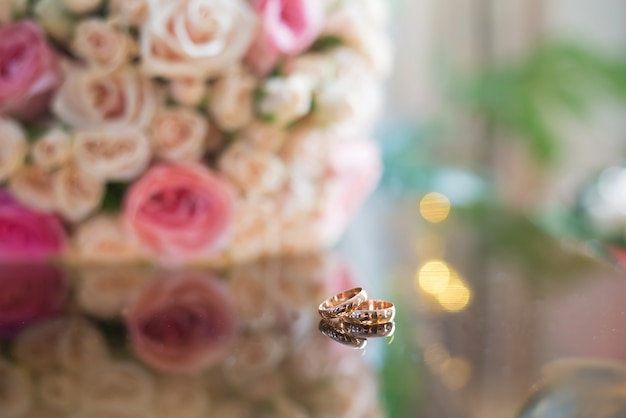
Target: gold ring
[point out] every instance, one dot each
(342, 303)
(372, 312)
(337, 334)
(370, 331)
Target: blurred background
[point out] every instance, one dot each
(498, 113)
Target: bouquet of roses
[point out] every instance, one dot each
(185, 131)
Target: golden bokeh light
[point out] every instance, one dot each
(435, 356)
(455, 373)
(435, 207)
(433, 277)
(456, 296)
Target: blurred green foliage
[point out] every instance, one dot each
(529, 96)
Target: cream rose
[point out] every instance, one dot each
(13, 147)
(104, 240)
(286, 99)
(253, 170)
(32, 186)
(52, 150)
(261, 135)
(58, 391)
(54, 19)
(180, 397)
(17, 391)
(81, 346)
(231, 100)
(36, 347)
(91, 99)
(254, 233)
(80, 7)
(130, 12)
(112, 154)
(195, 38)
(76, 193)
(188, 91)
(105, 292)
(179, 134)
(101, 44)
(5, 12)
(118, 386)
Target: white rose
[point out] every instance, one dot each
(17, 391)
(80, 7)
(112, 154)
(286, 99)
(32, 186)
(91, 99)
(130, 12)
(100, 44)
(52, 150)
(58, 391)
(253, 170)
(195, 38)
(352, 100)
(263, 136)
(319, 67)
(254, 355)
(76, 193)
(13, 147)
(119, 386)
(104, 240)
(231, 100)
(105, 292)
(179, 134)
(187, 91)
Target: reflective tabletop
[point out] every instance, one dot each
(494, 318)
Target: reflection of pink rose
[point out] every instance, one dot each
(181, 324)
(29, 71)
(26, 235)
(288, 27)
(618, 254)
(180, 211)
(30, 293)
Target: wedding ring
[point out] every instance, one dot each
(370, 331)
(341, 336)
(372, 312)
(342, 303)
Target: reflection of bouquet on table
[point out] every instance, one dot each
(185, 131)
(139, 342)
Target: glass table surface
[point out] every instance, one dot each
(495, 318)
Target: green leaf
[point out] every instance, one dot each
(114, 197)
(325, 43)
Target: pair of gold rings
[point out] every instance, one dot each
(350, 318)
(353, 306)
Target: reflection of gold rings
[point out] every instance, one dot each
(372, 312)
(370, 331)
(342, 303)
(341, 336)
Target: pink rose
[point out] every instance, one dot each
(181, 324)
(353, 170)
(288, 27)
(30, 293)
(29, 71)
(180, 211)
(26, 235)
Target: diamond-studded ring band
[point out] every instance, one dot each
(342, 303)
(341, 336)
(372, 312)
(370, 331)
